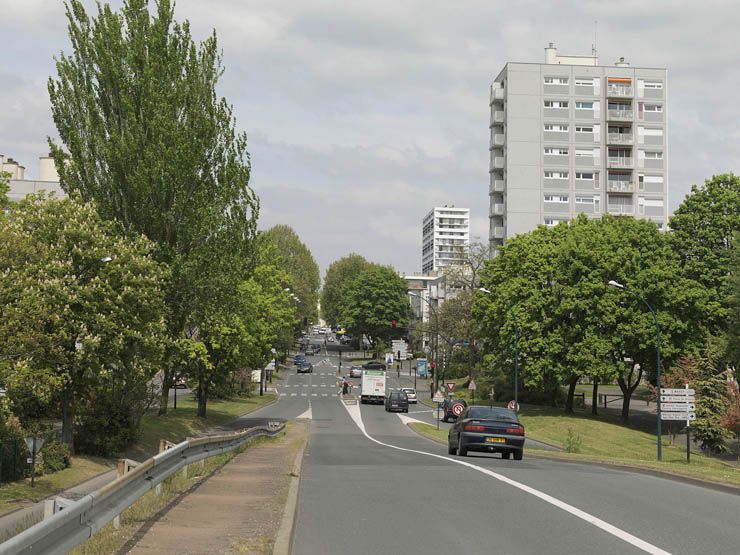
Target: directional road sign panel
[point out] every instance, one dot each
(678, 416)
(676, 391)
(677, 399)
(673, 407)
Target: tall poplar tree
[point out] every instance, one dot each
(144, 134)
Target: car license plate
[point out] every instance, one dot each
(495, 440)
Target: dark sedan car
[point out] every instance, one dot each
(299, 359)
(373, 365)
(305, 368)
(487, 429)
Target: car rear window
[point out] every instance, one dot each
(492, 413)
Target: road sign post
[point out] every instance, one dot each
(679, 405)
(471, 388)
(438, 398)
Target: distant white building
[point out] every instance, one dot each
(20, 186)
(445, 237)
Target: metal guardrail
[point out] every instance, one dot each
(83, 518)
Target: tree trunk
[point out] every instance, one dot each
(571, 393)
(164, 395)
(202, 396)
(595, 398)
(628, 388)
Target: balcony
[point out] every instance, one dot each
(497, 116)
(620, 186)
(497, 186)
(619, 91)
(620, 114)
(498, 139)
(498, 232)
(497, 209)
(497, 94)
(620, 162)
(618, 209)
(620, 138)
(497, 162)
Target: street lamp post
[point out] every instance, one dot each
(436, 340)
(613, 283)
(516, 350)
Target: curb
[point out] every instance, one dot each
(284, 537)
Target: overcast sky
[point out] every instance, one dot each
(362, 116)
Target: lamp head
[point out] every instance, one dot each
(484, 290)
(106, 259)
(613, 283)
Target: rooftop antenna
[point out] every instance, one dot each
(593, 44)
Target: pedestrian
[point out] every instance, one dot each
(345, 388)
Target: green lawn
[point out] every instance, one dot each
(605, 440)
(182, 422)
(81, 469)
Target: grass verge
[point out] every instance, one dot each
(81, 469)
(110, 540)
(603, 441)
(183, 422)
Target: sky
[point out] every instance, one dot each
(362, 116)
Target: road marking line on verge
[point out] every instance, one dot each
(356, 415)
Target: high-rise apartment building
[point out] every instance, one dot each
(570, 136)
(445, 237)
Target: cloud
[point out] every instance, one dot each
(363, 115)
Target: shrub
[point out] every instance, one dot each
(573, 441)
(55, 456)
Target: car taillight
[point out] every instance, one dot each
(472, 428)
(515, 431)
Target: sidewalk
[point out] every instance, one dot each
(238, 509)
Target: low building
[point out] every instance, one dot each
(20, 186)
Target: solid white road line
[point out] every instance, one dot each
(356, 415)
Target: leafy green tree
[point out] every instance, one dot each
(145, 135)
(81, 316)
(338, 275)
(703, 230)
(373, 301)
(298, 262)
(551, 284)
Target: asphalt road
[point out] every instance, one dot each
(388, 490)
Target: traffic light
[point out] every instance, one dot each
(393, 324)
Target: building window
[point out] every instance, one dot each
(583, 105)
(584, 129)
(556, 80)
(653, 155)
(556, 175)
(589, 152)
(556, 103)
(653, 107)
(558, 199)
(652, 84)
(559, 127)
(556, 151)
(584, 82)
(588, 176)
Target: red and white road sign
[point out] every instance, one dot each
(457, 409)
(512, 405)
(450, 386)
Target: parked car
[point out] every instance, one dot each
(373, 365)
(305, 368)
(487, 429)
(397, 400)
(355, 372)
(452, 408)
(411, 394)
